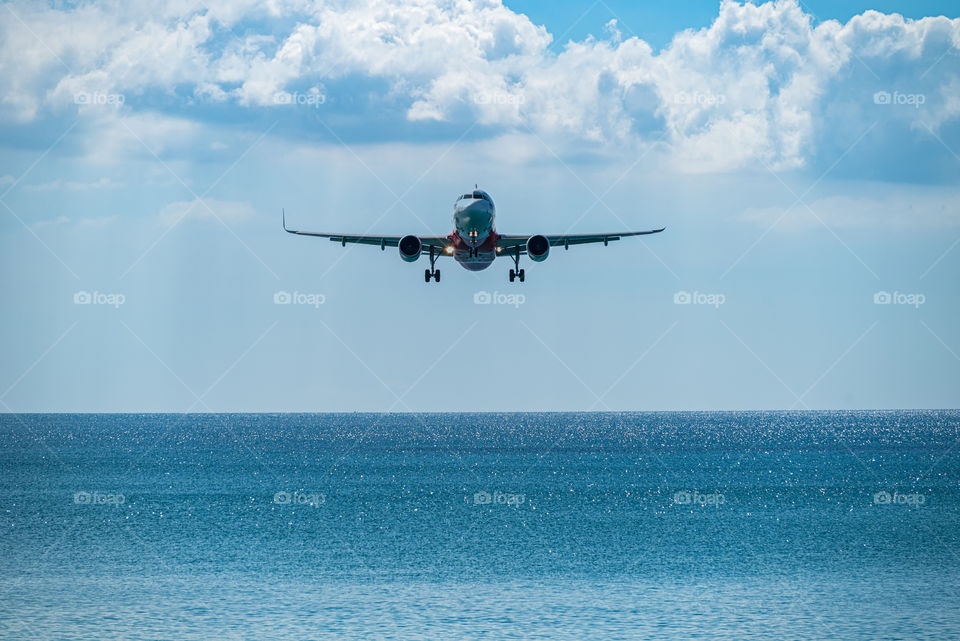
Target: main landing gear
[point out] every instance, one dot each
(516, 273)
(431, 273)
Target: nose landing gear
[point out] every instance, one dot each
(516, 274)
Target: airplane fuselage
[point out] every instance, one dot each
(474, 237)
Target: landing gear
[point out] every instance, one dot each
(431, 273)
(516, 273)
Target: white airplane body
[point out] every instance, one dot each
(474, 242)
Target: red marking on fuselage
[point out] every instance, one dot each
(478, 258)
(488, 244)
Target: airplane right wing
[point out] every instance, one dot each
(438, 243)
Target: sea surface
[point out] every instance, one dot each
(754, 525)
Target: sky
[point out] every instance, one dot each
(803, 156)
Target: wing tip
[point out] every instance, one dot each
(283, 219)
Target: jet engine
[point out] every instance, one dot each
(410, 247)
(538, 248)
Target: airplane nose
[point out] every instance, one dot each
(469, 218)
(473, 222)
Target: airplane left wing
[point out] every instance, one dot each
(510, 243)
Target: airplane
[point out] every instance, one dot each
(474, 242)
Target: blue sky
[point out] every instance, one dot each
(657, 24)
(803, 157)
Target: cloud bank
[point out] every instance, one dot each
(763, 86)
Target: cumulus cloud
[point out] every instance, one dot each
(763, 85)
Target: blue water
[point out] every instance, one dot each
(828, 525)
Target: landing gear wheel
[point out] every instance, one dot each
(516, 273)
(432, 272)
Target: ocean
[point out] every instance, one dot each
(732, 525)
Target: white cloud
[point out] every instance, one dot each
(72, 185)
(226, 211)
(55, 222)
(96, 222)
(761, 86)
(905, 208)
(81, 223)
(114, 136)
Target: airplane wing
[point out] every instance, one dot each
(437, 242)
(510, 243)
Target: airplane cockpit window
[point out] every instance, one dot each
(477, 195)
